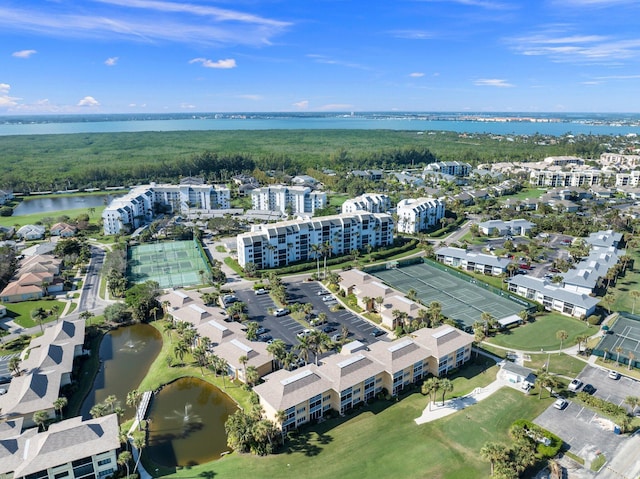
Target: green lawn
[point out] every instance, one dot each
(337, 199)
(629, 282)
(541, 334)
(394, 446)
(36, 217)
(527, 193)
(562, 364)
(21, 312)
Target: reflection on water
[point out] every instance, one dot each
(125, 356)
(187, 423)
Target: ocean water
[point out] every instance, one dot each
(497, 123)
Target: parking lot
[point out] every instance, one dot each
(587, 432)
(4, 365)
(286, 328)
(612, 390)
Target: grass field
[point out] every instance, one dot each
(394, 446)
(626, 284)
(21, 312)
(562, 364)
(527, 193)
(37, 217)
(541, 334)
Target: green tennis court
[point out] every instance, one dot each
(172, 264)
(622, 338)
(460, 300)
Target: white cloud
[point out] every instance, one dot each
(221, 64)
(416, 75)
(330, 61)
(111, 61)
(336, 107)
(248, 96)
(159, 21)
(495, 82)
(187, 106)
(303, 104)
(7, 101)
(88, 101)
(413, 34)
(486, 4)
(24, 53)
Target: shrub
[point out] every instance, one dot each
(537, 434)
(594, 319)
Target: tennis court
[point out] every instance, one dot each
(624, 334)
(171, 264)
(460, 300)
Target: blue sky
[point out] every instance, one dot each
(120, 56)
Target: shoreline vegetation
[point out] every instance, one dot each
(99, 160)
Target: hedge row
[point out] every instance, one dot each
(601, 405)
(538, 432)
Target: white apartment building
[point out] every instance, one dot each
(69, 449)
(285, 242)
(288, 199)
(617, 160)
(415, 215)
(139, 205)
(557, 178)
(631, 178)
(371, 202)
(453, 168)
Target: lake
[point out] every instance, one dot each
(51, 204)
(186, 425)
(125, 357)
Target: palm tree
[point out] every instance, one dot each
(581, 339)
(633, 402)
(303, 348)
(139, 442)
(435, 311)
(631, 358)
(59, 404)
(39, 316)
(494, 452)
(488, 320)
(40, 418)
(635, 294)
(281, 417)
(244, 360)
(316, 249)
(562, 335)
(446, 386)
(277, 349)
(252, 375)
(430, 387)
(379, 301)
(14, 365)
(134, 397)
(412, 294)
(180, 349)
(318, 342)
(618, 350)
(124, 458)
(110, 402)
(55, 310)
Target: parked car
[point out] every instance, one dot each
(328, 329)
(575, 384)
(560, 404)
(3, 391)
(322, 292)
(266, 338)
(304, 333)
(281, 312)
(5, 379)
(326, 299)
(261, 291)
(377, 332)
(336, 337)
(554, 270)
(614, 374)
(589, 389)
(260, 331)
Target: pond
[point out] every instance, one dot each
(125, 357)
(187, 423)
(51, 204)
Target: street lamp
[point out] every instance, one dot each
(546, 365)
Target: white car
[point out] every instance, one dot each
(575, 385)
(261, 291)
(614, 374)
(304, 333)
(326, 299)
(560, 404)
(281, 312)
(3, 391)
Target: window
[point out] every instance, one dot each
(60, 475)
(104, 461)
(106, 472)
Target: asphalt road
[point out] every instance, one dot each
(89, 299)
(612, 390)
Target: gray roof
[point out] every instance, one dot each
(555, 292)
(516, 369)
(478, 258)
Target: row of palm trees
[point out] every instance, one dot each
(433, 385)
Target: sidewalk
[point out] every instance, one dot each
(437, 411)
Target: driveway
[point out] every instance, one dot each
(586, 433)
(612, 390)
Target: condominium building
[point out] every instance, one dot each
(453, 168)
(554, 178)
(474, 262)
(360, 372)
(415, 215)
(518, 227)
(552, 297)
(70, 449)
(288, 199)
(371, 202)
(630, 178)
(285, 242)
(140, 205)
